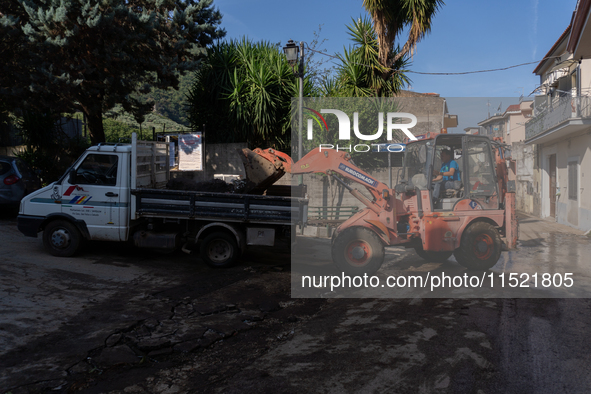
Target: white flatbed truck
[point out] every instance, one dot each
(115, 192)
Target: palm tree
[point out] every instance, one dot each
(242, 92)
(360, 73)
(390, 17)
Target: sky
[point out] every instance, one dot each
(466, 35)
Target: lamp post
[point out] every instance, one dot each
(291, 51)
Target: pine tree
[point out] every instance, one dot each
(88, 55)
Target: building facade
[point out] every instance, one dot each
(510, 127)
(560, 128)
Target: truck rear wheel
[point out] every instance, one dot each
(480, 247)
(358, 251)
(61, 238)
(436, 257)
(220, 250)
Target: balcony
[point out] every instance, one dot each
(562, 116)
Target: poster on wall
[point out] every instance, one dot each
(172, 158)
(191, 152)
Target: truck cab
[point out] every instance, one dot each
(93, 196)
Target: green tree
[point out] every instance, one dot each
(116, 131)
(360, 73)
(88, 55)
(391, 17)
(172, 103)
(47, 148)
(243, 92)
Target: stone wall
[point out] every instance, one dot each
(10, 150)
(429, 111)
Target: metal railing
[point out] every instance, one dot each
(559, 110)
(331, 213)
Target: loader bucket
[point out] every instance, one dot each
(263, 167)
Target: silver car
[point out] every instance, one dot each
(16, 181)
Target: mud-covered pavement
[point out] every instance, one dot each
(118, 319)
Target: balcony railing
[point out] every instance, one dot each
(558, 111)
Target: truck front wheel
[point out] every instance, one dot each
(220, 250)
(480, 247)
(358, 251)
(61, 238)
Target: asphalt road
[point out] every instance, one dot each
(117, 319)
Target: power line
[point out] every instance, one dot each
(441, 73)
(482, 71)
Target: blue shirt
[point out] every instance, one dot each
(445, 167)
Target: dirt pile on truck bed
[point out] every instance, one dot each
(262, 167)
(212, 186)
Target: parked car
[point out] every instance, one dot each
(16, 181)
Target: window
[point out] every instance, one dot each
(480, 182)
(97, 170)
(573, 180)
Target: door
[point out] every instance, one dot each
(552, 176)
(92, 193)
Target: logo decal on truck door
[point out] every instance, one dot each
(74, 188)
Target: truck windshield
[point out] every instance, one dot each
(416, 159)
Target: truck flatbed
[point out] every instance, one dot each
(245, 208)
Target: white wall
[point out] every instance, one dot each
(575, 213)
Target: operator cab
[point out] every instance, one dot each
(476, 187)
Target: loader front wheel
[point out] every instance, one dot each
(480, 247)
(358, 251)
(220, 250)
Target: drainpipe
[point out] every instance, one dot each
(443, 116)
(578, 73)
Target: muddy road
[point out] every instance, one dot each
(121, 320)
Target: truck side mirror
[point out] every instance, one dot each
(72, 178)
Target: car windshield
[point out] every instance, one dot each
(416, 162)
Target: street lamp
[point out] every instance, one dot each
(292, 51)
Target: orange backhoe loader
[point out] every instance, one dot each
(474, 220)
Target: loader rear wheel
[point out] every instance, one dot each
(358, 251)
(435, 257)
(480, 247)
(220, 250)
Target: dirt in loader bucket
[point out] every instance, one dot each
(261, 172)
